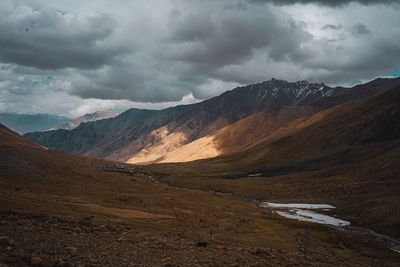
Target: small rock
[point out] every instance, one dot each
(93, 263)
(36, 261)
(201, 244)
(167, 259)
(4, 241)
(341, 245)
(63, 263)
(256, 251)
(12, 243)
(74, 251)
(25, 258)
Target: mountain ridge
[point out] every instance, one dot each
(130, 133)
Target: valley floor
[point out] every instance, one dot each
(118, 215)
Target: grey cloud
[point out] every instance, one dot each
(240, 44)
(331, 27)
(191, 27)
(49, 39)
(341, 37)
(331, 3)
(201, 41)
(128, 81)
(360, 29)
(231, 37)
(359, 61)
(195, 48)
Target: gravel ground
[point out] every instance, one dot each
(38, 240)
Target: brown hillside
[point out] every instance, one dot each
(62, 209)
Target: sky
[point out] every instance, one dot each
(71, 57)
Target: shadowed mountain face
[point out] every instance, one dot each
(340, 129)
(89, 135)
(347, 154)
(167, 135)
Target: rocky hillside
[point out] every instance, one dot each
(333, 135)
(148, 135)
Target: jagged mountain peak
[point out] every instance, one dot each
(278, 92)
(100, 114)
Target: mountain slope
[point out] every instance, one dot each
(346, 156)
(85, 137)
(232, 137)
(90, 208)
(25, 123)
(145, 136)
(352, 124)
(8, 138)
(248, 130)
(98, 115)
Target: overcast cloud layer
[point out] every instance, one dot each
(332, 3)
(72, 57)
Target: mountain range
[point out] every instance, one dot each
(223, 124)
(28, 123)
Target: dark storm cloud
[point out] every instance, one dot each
(192, 27)
(49, 39)
(200, 42)
(178, 48)
(212, 40)
(360, 29)
(332, 3)
(233, 43)
(129, 80)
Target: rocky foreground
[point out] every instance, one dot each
(39, 240)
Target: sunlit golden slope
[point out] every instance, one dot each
(178, 145)
(174, 146)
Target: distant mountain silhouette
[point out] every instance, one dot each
(25, 123)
